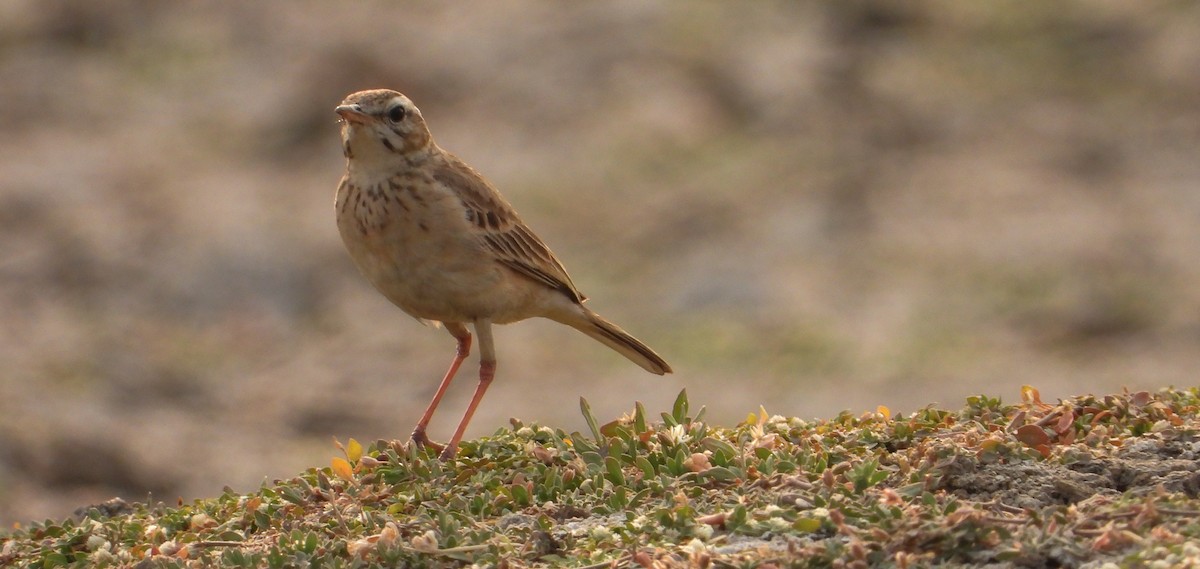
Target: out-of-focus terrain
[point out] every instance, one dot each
(811, 206)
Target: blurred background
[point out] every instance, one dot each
(816, 206)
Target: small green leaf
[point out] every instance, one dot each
(262, 521)
(723, 452)
(950, 508)
(866, 475)
(323, 481)
(310, 541)
(292, 495)
(645, 466)
(679, 411)
(231, 535)
(720, 474)
(582, 445)
(613, 471)
(520, 494)
(54, 560)
(639, 418)
(591, 457)
(619, 499)
(737, 518)
(586, 408)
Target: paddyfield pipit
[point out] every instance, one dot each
(437, 239)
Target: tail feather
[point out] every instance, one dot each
(620, 341)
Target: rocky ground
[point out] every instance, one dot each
(1099, 482)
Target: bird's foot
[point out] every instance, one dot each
(419, 437)
(445, 452)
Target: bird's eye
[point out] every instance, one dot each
(396, 113)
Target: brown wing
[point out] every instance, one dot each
(502, 232)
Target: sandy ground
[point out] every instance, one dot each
(809, 206)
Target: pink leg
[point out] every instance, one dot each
(463, 336)
(487, 371)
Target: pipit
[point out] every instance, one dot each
(437, 239)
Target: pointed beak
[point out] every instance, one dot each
(352, 114)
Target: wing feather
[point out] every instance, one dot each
(502, 232)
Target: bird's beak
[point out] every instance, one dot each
(352, 113)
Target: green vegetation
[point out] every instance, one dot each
(1110, 479)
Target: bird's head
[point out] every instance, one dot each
(381, 125)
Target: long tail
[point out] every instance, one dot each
(619, 340)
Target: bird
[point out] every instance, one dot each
(437, 239)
